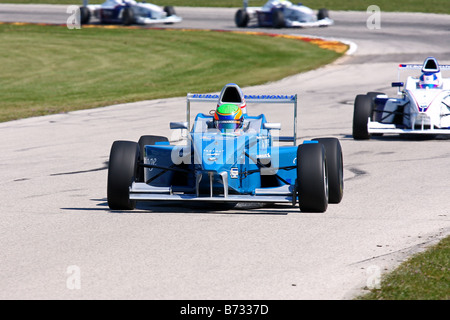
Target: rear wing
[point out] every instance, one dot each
(256, 98)
(420, 66)
(423, 67)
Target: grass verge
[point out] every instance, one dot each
(425, 276)
(430, 6)
(52, 69)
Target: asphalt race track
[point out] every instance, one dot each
(59, 240)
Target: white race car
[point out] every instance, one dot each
(423, 106)
(128, 12)
(280, 14)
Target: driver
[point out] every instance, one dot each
(430, 80)
(228, 118)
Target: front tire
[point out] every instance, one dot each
(241, 18)
(312, 181)
(85, 15)
(121, 174)
(361, 113)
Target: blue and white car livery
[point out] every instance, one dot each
(251, 164)
(280, 14)
(128, 12)
(423, 105)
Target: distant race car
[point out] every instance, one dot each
(280, 14)
(227, 157)
(422, 108)
(128, 12)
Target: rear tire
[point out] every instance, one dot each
(278, 19)
(361, 113)
(312, 184)
(333, 151)
(322, 14)
(372, 96)
(121, 174)
(169, 10)
(149, 141)
(128, 17)
(375, 112)
(146, 141)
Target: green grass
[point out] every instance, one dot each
(425, 276)
(51, 69)
(430, 6)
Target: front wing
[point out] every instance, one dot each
(377, 127)
(143, 192)
(318, 23)
(145, 20)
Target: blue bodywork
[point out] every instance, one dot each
(249, 159)
(244, 164)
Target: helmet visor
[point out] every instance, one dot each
(428, 85)
(228, 125)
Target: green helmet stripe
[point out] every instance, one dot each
(227, 108)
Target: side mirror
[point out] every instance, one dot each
(272, 125)
(179, 125)
(398, 85)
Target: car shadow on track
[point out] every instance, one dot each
(199, 208)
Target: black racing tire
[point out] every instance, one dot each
(150, 140)
(169, 10)
(85, 15)
(146, 141)
(372, 95)
(322, 14)
(361, 113)
(278, 19)
(121, 174)
(335, 165)
(128, 17)
(312, 176)
(241, 18)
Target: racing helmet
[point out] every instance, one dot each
(228, 117)
(231, 93)
(429, 80)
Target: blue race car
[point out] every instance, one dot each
(228, 157)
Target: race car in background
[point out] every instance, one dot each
(227, 157)
(128, 12)
(280, 14)
(422, 108)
